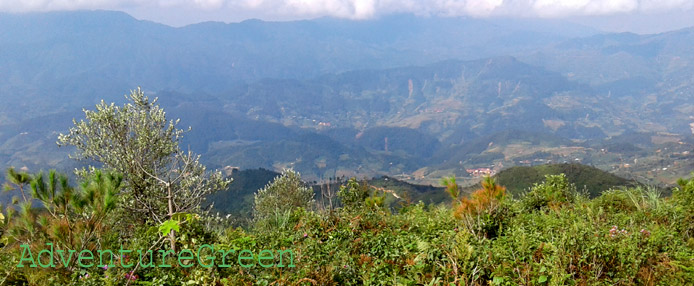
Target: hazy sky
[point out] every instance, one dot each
(643, 16)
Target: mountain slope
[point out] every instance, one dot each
(519, 179)
(58, 59)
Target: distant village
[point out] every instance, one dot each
(481, 172)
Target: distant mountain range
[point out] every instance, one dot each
(416, 98)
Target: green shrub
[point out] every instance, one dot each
(683, 198)
(485, 210)
(617, 200)
(275, 203)
(553, 193)
(69, 219)
(353, 194)
(624, 237)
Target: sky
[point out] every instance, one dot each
(641, 16)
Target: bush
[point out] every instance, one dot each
(616, 200)
(276, 204)
(683, 197)
(353, 194)
(70, 219)
(287, 192)
(625, 237)
(485, 210)
(553, 193)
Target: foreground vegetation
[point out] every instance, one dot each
(550, 235)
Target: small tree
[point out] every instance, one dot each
(483, 211)
(131, 139)
(183, 185)
(451, 188)
(70, 218)
(138, 141)
(285, 194)
(17, 180)
(354, 194)
(484, 200)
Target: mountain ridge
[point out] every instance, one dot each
(337, 98)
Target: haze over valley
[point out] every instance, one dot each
(399, 95)
(347, 142)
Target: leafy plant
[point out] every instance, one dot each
(353, 194)
(69, 219)
(452, 188)
(553, 193)
(137, 141)
(484, 211)
(276, 203)
(683, 197)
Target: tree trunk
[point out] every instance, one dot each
(172, 236)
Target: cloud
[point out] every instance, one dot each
(358, 9)
(583, 7)
(363, 9)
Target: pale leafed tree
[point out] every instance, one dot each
(138, 141)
